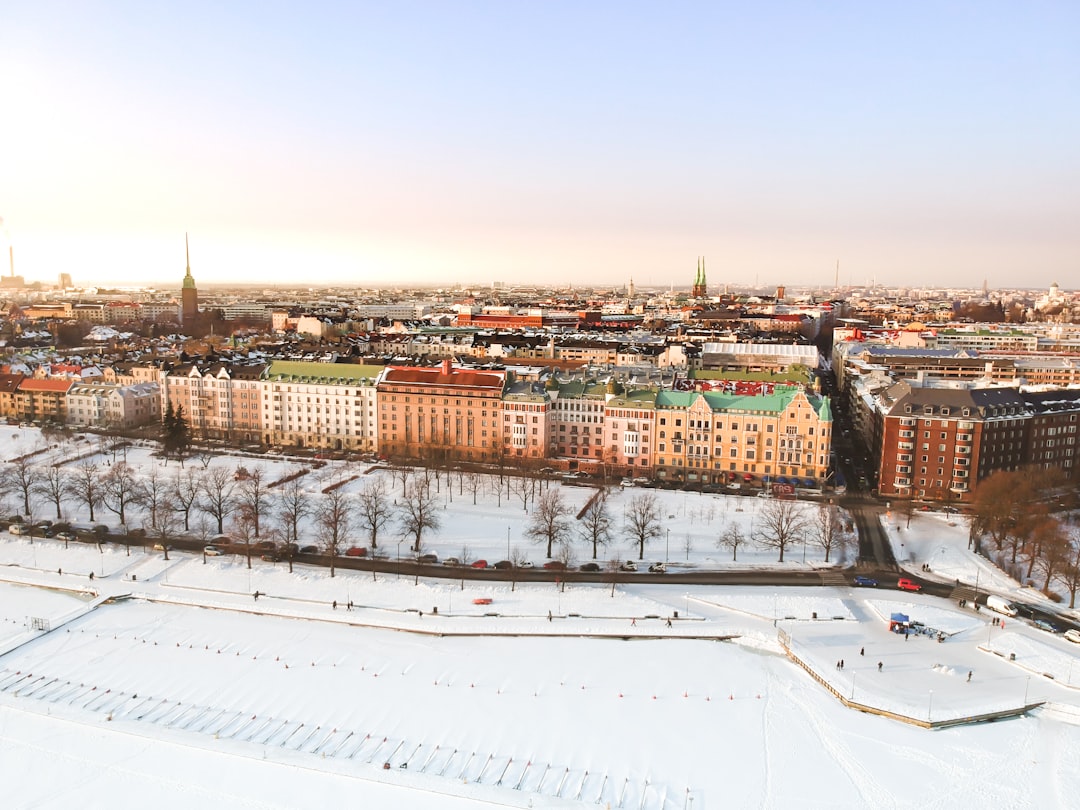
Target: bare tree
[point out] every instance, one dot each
(419, 513)
(518, 560)
(254, 497)
(732, 537)
(186, 488)
(120, 490)
(373, 509)
(1068, 573)
(548, 522)
(401, 473)
(595, 524)
(242, 532)
(292, 507)
(155, 495)
(24, 478)
(475, 482)
(1053, 544)
(334, 520)
(780, 524)
(217, 495)
(87, 487)
(825, 529)
(53, 487)
(641, 521)
(523, 487)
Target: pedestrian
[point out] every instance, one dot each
(349, 606)
(256, 595)
(549, 615)
(905, 634)
(91, 576)
(879, 666)
(862, 650)
(633, 622)
(335, 604)
(969, 676)
(841, 663)
(838, 665)
(669, 622)
(59, 571)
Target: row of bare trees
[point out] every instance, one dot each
(1020, 514)
(779, 525)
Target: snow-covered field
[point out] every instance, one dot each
(193, 692)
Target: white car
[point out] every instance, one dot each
(16, 528)
(1073, 635)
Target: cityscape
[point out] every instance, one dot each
(460, 405)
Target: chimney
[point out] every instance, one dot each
(446, 365)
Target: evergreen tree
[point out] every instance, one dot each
(176, 435)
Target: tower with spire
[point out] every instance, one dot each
(189, 294)
(698, 290)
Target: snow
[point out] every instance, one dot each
(186, 690)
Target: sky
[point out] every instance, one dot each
(559, 142)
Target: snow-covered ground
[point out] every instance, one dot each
(191, 691)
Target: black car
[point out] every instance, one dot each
(309, 549)
(503, 565)
(590, 566)
(271, 556)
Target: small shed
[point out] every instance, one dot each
(899, 623)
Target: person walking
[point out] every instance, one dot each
(969, 676)
(862, 650)
(879, 666)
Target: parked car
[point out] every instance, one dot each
(629, 565)
(525, 564)
(67, 537)
(309, 549)
(271, 556)
(1002, 606)
(905, 584)
(17, 529)
(555, 565)
(213, 551)
(865, 582)
(658, 568)
(479, 564)
(291, 548)
(356, 551)
(451, 561)
(1073, 635)
(1043, 624)
(162, 547)
(503, 565)
(265, 545)
(590, 566)
(428, 559)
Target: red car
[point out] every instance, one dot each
(908, 585)
(356, 551)
(479, 564)
(555, 565)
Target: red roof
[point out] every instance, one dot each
(30, 384)
(435, 376)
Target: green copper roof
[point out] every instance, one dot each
(349, 373)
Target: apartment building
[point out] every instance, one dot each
(220, 400)
(714, 438)
(102, 405)
(321, 405)
(440, 413)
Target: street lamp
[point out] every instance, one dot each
(930, 707)
(508, 542)
(667, 546)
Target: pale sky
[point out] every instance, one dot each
(558, 142)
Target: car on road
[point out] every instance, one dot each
(555, 565)
(17, 529)
(629, 565)
(481, 564)
(213, 551)
(1073, 635)
(590, 566)
(503, 565)
(67, 537)
(525, 564)
(1043, 624)
(356, 551)
(309, 549)
(865, 582)
(428, 559)
(452, 562)
(271, 556)
(906, 584)
(658, 568)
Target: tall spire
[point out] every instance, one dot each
(189, 281)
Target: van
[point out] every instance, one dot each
(996, 603)
(16, 528)
(1073, 635)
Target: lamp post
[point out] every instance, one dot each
(667, 546)
(399, 559)
(930, 707)
(1027, 685)
(508, 542)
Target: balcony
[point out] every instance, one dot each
(958, 486)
